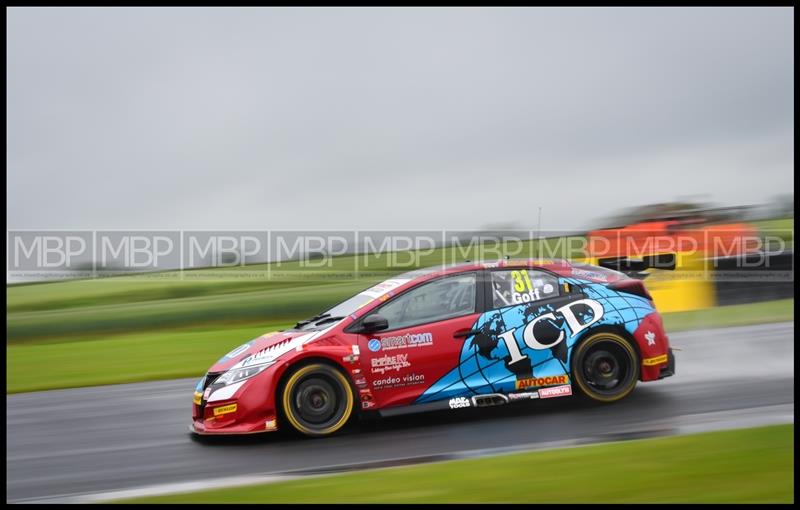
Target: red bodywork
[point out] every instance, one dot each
(255, 398)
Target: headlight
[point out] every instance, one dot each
(240, 374)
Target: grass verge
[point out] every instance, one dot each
(779, 310)
(127, 358)
(173, 353)
(740, 466)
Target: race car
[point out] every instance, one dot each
(474, 334)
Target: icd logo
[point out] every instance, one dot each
(374, 345)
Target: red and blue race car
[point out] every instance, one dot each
(467, 335)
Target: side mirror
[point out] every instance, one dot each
(374, 322)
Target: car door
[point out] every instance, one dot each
(521, 341)
(419, 345)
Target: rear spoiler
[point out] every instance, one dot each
(635, 268)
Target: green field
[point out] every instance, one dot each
(779, 310)
(780, 227)
(738, 466)
(188, 352)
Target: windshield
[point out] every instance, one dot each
(350, 306)
(362, 298)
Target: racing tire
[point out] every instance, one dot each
(317, 400)
(605, 367)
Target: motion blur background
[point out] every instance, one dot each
(473, 125)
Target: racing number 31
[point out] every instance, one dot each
(519, 283)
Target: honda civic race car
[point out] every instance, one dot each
(448, 337)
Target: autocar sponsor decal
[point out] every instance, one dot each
(389, 362)
(198, 398)
(651, 338)
(400, 342)
(458, 403)
(230, 408)
(556, 391)
(535, 382)
(271, 425)
(648, 362)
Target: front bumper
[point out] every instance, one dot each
(199, 428)
(248, 409)
(253, 422)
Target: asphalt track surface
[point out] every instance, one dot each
(91, 443)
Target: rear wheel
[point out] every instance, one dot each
(317, 400)
(605, 367)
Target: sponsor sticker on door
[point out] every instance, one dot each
(388, 363)
(409, 340)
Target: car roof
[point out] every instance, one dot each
(466, 266)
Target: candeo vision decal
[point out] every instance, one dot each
(397, 381)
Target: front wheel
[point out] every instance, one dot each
(605, 367)
(317, 400)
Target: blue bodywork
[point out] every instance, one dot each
(483, 363)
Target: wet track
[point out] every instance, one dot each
(68, 443)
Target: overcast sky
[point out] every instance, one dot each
(280, 118)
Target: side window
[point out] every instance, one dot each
(442, 299)
(518, 286)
